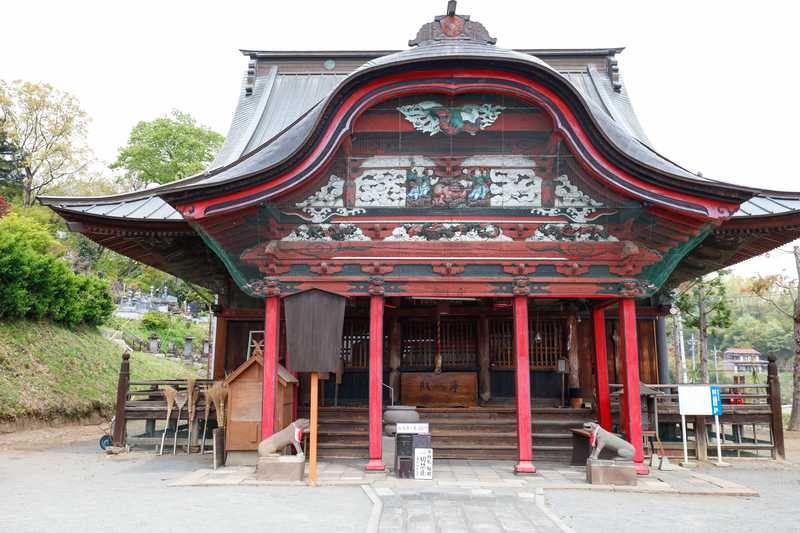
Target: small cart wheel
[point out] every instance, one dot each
(105, 442)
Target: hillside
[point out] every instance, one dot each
(48, 371)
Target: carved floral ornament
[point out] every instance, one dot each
(413, 182)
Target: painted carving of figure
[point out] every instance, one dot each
(481, 183)
(419, 185)
(449, 193)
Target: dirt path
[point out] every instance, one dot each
(792, 441)
(47, 438)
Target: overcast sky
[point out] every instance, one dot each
(714, 83)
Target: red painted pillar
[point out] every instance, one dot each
(630, 359)
(601, 366)
(375, 381)
(522, 360)
(272, 321)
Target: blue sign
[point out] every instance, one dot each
(716, 401)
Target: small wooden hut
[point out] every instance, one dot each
(243, 409)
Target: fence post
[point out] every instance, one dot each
(774, 392)
(701, 438)
(122, 396)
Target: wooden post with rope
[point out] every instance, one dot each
(118, 436)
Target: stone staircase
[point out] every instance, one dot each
(459, 433)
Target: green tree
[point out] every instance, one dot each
(703, 302)
(10, 172)
(776, 290)
(167, 149)
(47, 129)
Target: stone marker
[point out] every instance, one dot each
(605, 472)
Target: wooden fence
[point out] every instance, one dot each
(751, 420)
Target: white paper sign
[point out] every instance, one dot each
(423, 463)
(694, 400)
(414, 428)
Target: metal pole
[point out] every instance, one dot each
(719, 443)
(685, 447)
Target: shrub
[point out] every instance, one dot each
(155, 321)
(36, 283)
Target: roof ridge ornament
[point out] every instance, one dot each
(451, 27)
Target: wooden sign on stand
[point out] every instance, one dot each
(314, 321)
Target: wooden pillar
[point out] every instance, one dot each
(630, 358)
(523, 375)
(774, 392)
(395, 340)
(118, 437)
(573, 378)
(272, 323)
(701, 438)
(375, 381)
(601, 369)
(484, 360)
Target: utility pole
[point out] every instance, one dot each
(693, 350)
(678, 344)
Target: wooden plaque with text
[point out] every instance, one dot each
(448, 389)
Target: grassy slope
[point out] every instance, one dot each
(48, 370)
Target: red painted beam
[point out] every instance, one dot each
(601, 370)
(272, 320)
(522, 357)
(630, 363)
(375, 382)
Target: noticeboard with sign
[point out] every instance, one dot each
(423, 463)
(694, 400)
(716, 401)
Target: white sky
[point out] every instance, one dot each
(714, 83)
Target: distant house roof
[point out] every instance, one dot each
(744, 351)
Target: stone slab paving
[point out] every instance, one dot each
(451, 474)
(462, 511)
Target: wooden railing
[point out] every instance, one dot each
(753, 408)
(144, 401)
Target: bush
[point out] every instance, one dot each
(155, 321)
(36, 283)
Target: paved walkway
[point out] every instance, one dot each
(480, 496)
(450, 474)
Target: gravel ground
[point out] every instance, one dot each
(774, 511)
(74, 487)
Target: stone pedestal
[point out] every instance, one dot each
(388, 451)
(281, 468)
(605, 472)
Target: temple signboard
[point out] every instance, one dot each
(451, 389)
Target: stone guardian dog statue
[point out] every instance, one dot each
(291, 434)
(602, 439)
